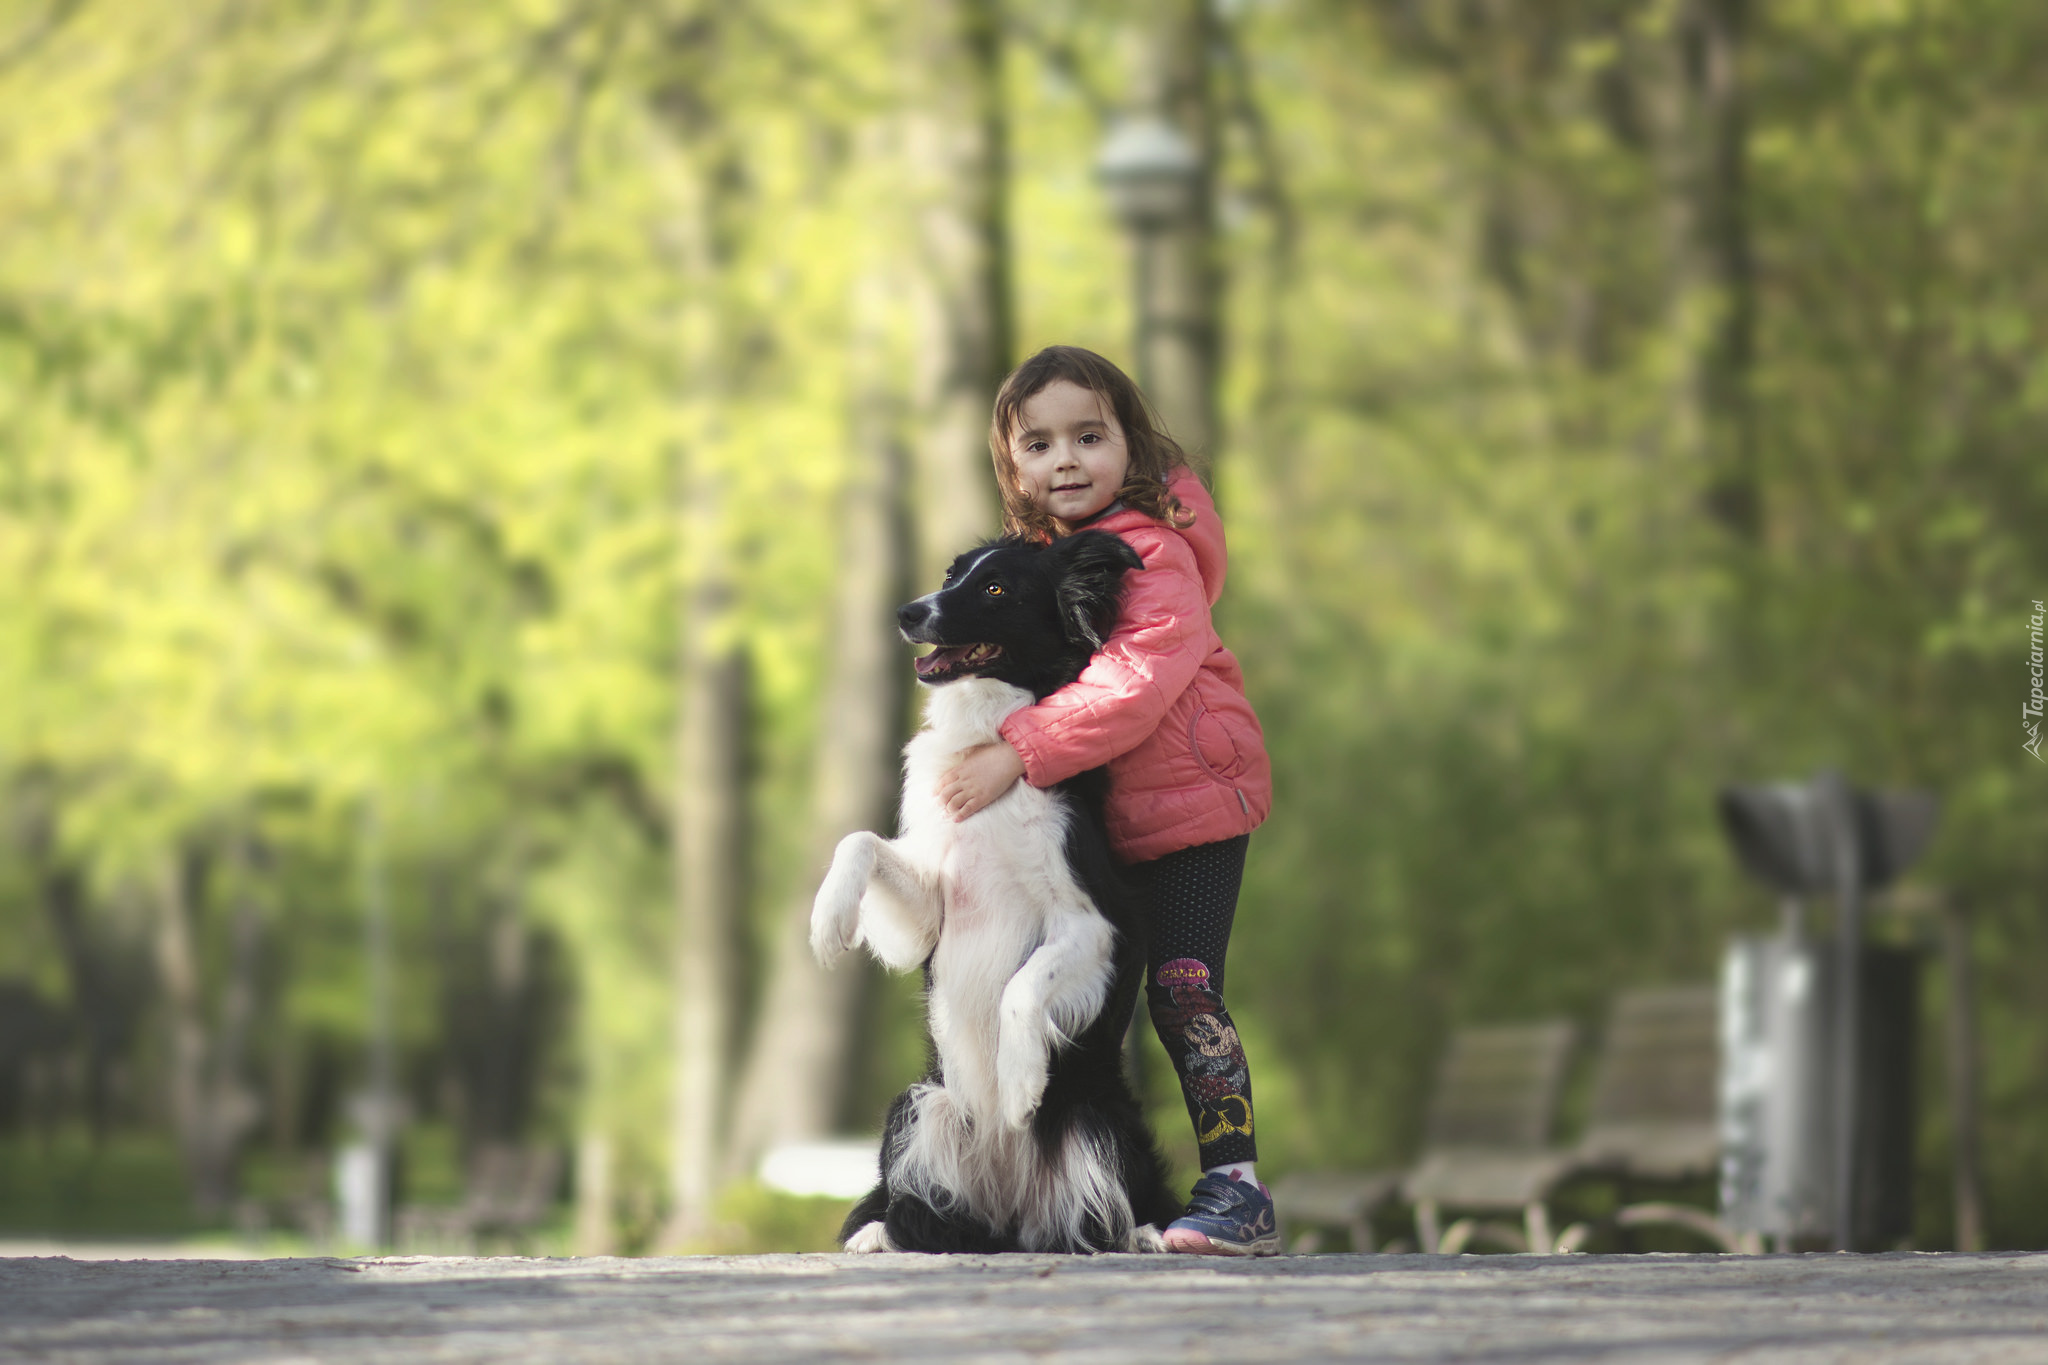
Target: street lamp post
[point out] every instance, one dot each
(1155, 179)
(365, 1172)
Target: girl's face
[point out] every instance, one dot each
(1069, 451)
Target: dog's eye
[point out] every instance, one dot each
(994, 590)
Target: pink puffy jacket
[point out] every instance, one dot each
(1162, 703)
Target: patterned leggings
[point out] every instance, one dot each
(1193, 898)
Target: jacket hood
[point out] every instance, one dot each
(1204, 537)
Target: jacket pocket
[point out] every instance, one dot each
(1214, 749)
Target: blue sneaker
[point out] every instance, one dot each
(1226, 1217)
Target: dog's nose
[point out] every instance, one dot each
(911, 615)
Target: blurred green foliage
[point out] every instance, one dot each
(348, 357)
(66, 1185)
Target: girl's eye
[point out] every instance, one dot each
(994, 590)
(1089, 438)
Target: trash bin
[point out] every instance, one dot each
(1778, 1055)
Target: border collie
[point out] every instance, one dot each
(1024, 1134)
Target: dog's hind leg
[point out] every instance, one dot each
(1082, 1204)
(1056, 993)
(914, 1225)
(874, 889)
(1145, 1240)
(874, 1237)
(865, 1217)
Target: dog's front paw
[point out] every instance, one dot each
(833, 926)
(874, 1237)
(1023, 1056)
(1020, 1084)
(835, 914)
(1020, 1100)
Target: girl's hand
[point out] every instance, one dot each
(982, 774)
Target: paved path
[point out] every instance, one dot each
(1110, 1308)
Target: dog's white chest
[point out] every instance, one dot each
(1002, 879)
(1005, 882)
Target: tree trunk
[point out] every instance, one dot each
(377, 1109)
(594, 1233)
(956, 155)
(795, 1086)
(211, 1109)
(233, 1108)
(958, 147)
(177, 966)
(709, 835)
(103, 1013)
(1721, 268)
(710, 867)
(1178, 335)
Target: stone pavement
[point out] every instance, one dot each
(1110, 1308)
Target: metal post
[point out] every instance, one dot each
(1145, 303)
(1791, 918)
(1963, 1072)
(1848, 975)
(380, 1120)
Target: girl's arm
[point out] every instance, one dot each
(1161, 638)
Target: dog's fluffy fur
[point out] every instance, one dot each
(1024, 1133)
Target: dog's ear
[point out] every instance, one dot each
(1092, 565)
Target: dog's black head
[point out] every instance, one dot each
(1025, 613)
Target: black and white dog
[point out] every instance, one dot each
(1024, 1134)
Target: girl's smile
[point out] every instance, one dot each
(1069, 451)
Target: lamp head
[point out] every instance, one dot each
(1150, 171)
(1787, 834)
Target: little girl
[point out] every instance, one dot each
(1163, 705)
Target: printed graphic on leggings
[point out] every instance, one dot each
(1210, 1059)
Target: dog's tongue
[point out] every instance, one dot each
(941, 659)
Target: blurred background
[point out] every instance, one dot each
(457, 464)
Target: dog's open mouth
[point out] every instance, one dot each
(951, 661)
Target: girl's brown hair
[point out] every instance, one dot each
(1154, 455)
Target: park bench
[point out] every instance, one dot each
(1484, 1148)
(1651, 1121)
(509, 1191)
